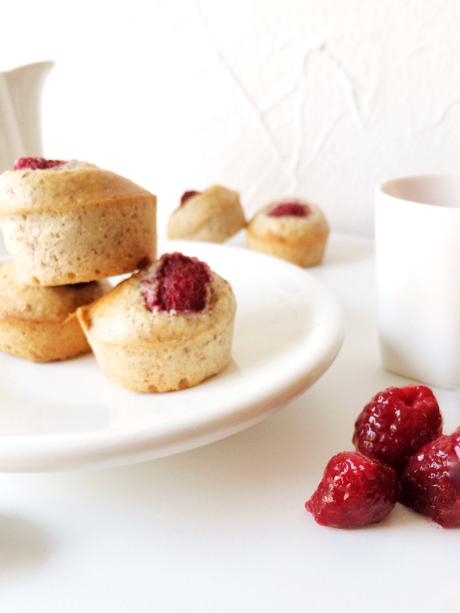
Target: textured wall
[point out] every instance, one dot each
(320, 98)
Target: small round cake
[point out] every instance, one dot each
(167, 327)
(72, 222)
(213, 215)
(39, 323)
(293, 230)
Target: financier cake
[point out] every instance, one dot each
(39, 323)
(293, 230)
(213, 215)
(167, 327)
(71, 222)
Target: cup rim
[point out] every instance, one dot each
(383, 186)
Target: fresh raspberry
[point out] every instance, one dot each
(36, 163)
(180, 283)
(355, 491)
(187, 195)
(430, 483)
(290, 209)
(396, 423)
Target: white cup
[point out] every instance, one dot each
(417, 232)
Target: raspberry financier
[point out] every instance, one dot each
(71, 222)
(39, 323)
(167, 327)
(290, 229)
(213, 215)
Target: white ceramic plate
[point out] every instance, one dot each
(67, 415)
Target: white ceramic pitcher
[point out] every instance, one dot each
(20, 112)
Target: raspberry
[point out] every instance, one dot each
(290, 209)
(36, 163)
(180, 283)
(431, 481)
(187, 195)
(396, 423)
(355, 491)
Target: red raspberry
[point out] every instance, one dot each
(180, 283)
(291, 209)
(431, 481)
(355, 491)
(36, 163)
(187, 195)
(396, 423)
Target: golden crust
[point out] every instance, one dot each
(68, 188)
(40, 324)
(213, 215)
(43, 304)
(301, 240)
(121, 318)
(159, 351)
(76, 224)
(42, 341)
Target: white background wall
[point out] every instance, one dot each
(320, 98)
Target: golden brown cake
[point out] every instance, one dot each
(71, 222)
(39, 323)
(167, 327)
(213, 215)
(293, 230)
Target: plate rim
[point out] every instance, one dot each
(123, 445)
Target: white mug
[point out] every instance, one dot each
(417, 233)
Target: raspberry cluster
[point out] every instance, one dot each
(401, 454)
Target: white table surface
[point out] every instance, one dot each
(223, 528)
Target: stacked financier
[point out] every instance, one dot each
(68, 225)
